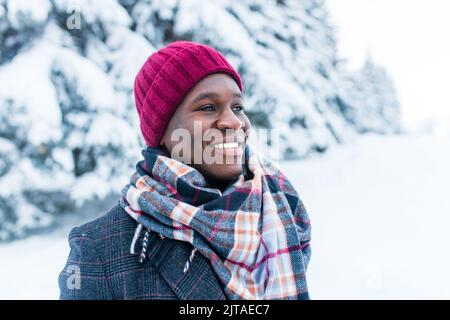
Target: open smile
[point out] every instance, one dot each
(229, 148)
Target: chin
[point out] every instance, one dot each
(223, 171)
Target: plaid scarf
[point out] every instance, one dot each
(255, 233)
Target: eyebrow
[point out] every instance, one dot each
(212, 95)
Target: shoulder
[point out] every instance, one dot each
(85, 275)
(110, 224)
(100, 254)
(107, 240)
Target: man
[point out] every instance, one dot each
(202, 217)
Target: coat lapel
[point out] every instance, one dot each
(198, 283)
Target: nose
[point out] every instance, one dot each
(229, 120)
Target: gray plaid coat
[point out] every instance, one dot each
(100, 265)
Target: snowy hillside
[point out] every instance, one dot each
(69, 129)
(380, 215)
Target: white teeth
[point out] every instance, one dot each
(229, 145)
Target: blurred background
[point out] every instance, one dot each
(356, 89)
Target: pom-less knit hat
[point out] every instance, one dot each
(165, 79)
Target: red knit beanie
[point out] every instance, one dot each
(165, 79)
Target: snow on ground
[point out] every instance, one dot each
(380, 217)
(29, 268)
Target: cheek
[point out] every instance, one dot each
(247, 126)
(178, 126)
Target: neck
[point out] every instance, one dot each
(218, 184)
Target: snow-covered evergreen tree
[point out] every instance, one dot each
(69, 130)
(374, 106)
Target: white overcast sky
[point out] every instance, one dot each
(411, 38)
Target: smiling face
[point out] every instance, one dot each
(214, 128)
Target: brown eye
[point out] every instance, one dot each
(207, 108)
(238, 108)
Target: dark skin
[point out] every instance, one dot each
(216, 103)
